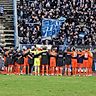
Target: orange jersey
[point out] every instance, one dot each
(53, 59)
(52, 62)
(74, 59)
(26, 61)
(90, 58)
(26, 58)
(86, 56)
(74, 54)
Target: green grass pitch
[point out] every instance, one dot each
(47, 86)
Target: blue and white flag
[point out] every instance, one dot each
(51, 27)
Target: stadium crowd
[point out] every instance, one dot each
(79, 28)
(42, 61)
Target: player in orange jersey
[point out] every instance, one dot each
(90, 61)
(85, 62)
(53, 55)
(26, 64)
(74, 62)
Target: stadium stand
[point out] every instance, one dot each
(7, 24)
(79, 27)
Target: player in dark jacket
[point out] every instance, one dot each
(60, 62)
(67, 62)
(45, 61)
(31, 62)
(80, 57)
(10, 61)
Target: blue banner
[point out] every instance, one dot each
(51, 27)
(1, 9)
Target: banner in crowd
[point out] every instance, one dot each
(25, 46)
(51, 27)
(1, 9)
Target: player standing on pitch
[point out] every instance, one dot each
(45, 61)
(53, 55)
(68, 62)
(60, 63)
